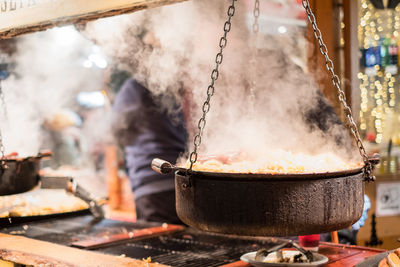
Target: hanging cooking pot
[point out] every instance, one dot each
(18, 175)
(270, 204)
(267, 204)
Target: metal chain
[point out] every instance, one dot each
(253, 68)
(3, 102)
(341, 95)
(2, 153)
(256, 13)
(210, 90)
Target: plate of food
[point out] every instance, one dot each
(284, 258)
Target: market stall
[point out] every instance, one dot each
(251, 190)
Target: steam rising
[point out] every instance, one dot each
(47, 76)
(171, 50)
(183, 52)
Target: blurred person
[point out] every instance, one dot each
(147, 131)
(63, 138)
(147, 128)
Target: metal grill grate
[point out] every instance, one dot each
(192, 248)
(187, 248)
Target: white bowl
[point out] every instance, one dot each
(319, 259)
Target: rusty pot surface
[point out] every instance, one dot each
(269, 205)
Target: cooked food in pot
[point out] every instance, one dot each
(278, 162)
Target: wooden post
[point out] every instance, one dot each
(335, 237)
(351, 55)
(113, 181)
(325, 15)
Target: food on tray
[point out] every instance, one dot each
(286, 256)
(40, 202)
(383, 263)
(391, 260)
(278, 162)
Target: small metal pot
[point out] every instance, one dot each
(21, 174)
(266, 204)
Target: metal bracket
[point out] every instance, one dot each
(187, 181)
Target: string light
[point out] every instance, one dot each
(378, 86)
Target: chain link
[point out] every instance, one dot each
(3, 102)
(2, 153)
(253, 62)
(341, 95)
(256, 14)
(211, 88)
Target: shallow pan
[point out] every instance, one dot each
(12, 221)
(268, 204)
(20, 174)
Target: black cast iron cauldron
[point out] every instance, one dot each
(20, 174)
(267, 204)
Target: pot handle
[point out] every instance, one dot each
(374, 160)
(45, 154)
(162, 166)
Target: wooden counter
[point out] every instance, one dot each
(50, 242)
(26, 251)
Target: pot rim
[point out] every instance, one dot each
(40, 155)
(262, 177)
(21, 159)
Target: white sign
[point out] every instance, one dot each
(13, 5)
(388, 199)
(23, 16)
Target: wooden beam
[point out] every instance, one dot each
(351, 56)
(347, 49)
(325, 14)
(39, 15)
